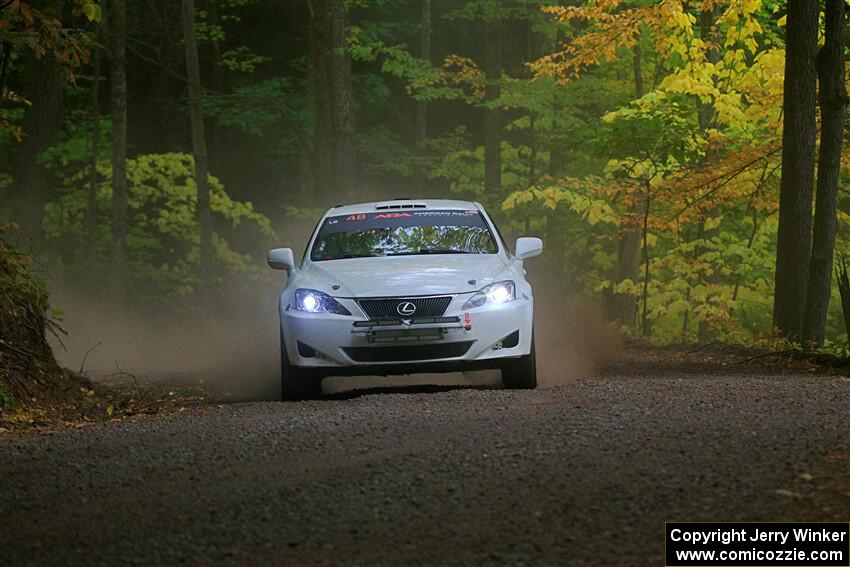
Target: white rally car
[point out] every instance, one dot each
(402, 287)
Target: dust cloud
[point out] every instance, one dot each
(234, 350)
(572, 337)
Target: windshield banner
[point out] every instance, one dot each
(394, 219)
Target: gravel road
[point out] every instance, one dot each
(585, 473)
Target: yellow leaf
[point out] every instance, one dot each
(712, 222)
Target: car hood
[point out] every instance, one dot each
(403, 275)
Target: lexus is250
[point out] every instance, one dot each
(402, 287)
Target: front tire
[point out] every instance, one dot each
(297, 383)
(521, 373)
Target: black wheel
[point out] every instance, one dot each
(297, 383)
(521, 373)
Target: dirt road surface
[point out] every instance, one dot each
(581, 474)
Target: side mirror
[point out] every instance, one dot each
(281, 259)
(528, 247)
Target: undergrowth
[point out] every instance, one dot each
(28, 371)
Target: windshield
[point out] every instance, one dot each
(403, 234)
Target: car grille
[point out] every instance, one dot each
(408, 353)
(387, 307)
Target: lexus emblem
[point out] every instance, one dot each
(406, 308)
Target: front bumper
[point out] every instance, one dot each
(476, 338)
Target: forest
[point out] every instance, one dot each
(651, 336)
(682, 159)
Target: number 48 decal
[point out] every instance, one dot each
(356, 217)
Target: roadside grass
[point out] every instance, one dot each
(7, 401)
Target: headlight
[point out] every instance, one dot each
(314, 301)
(499, 292)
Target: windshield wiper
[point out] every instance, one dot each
(430, 251)
(441, 251)
(347, 256)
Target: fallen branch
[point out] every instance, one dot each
(704, 346)
(766, 355)
(85, 356)
(121, 372)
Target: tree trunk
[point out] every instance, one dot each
(118, 80)
(794, 241)
(707, 115)
(622, 307)
(709, 36)
(492, 116)
(342, 134)
(32, 181)
(424, 53)
(5, 54)
(319, 68)
(844, 290)
(833, 104)
(216, 80)
(646, 327)
(637, 70)
(91, 204)
(557, 154)
(199, 149)
(422, 106)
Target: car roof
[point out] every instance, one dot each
(403, 204)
